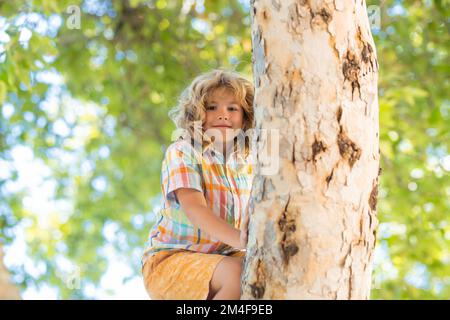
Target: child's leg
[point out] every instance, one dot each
(226, 280)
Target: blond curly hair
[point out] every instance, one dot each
(191, 107)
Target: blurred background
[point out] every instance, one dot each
(85, 87)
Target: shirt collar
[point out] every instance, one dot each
(234, 155)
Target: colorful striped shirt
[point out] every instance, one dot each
(226, 188)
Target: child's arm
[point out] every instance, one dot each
(194, 205)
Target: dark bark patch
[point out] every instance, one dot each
(287, 227)
(293, 152)
(259, 287)
(328, 179)
(351, 69)
(317, 147)
(339, 114)
(257, 290)
(367, 53)
(348, 149)
(374, 237)
(290, 249)
(326, 16)
(373, 198)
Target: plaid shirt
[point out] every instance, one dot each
(226, 189)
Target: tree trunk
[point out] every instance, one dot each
(7, 290)
(313, 223)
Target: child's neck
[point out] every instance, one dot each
(224, 147)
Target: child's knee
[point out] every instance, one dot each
(234, 280)
(229, 268)
(237, 266)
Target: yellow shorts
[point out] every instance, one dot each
(181, 274)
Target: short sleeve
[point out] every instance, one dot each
(180, 169)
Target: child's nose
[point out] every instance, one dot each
(223, 117)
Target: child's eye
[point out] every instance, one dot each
(233, 108)
(210, 107)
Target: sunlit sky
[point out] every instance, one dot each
(33, 179)
(38, 202)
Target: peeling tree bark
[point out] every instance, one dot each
(7, 290)
(313, 225)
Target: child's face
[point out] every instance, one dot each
(223, 112)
